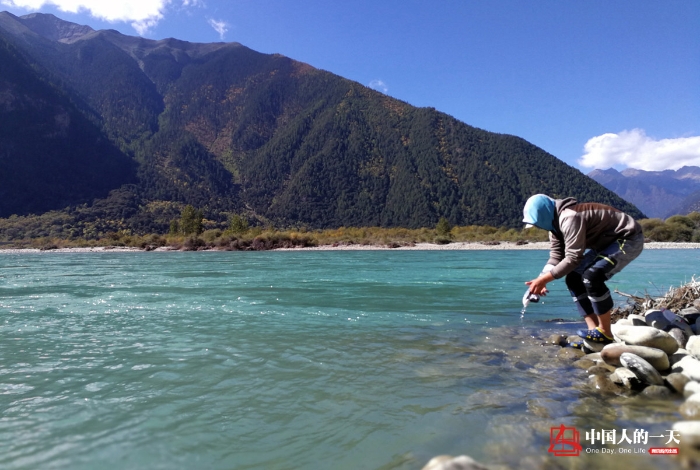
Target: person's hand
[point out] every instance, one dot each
(539, 285)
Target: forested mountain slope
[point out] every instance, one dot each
(230, 130)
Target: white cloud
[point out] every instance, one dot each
(220, 27)
(635, 149)
(378, 85)
(142, 14)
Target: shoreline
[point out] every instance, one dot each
(455, 246)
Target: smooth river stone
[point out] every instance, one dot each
(691, 388)
(646, 336)
(656, 319)
(637, 320)
(688, 366)
(689, 432)
(641, 369)
(447, 462)
(626, 377)
(657, 358)
(680, 337)
(677, 382)
(693, 346)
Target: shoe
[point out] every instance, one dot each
(595, 335)
(575, 344)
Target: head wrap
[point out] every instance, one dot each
(539, 211)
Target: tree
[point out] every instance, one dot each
(237, 224)
(191, 220)
(443, 227)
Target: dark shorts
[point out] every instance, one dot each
(587, 282)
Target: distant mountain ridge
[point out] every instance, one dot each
(657, 193)
(165, 123)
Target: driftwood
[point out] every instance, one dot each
(676, 299)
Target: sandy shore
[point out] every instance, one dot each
(417, 246)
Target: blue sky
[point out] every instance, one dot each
(597, 83)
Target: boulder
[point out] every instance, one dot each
(641, 368)
(645, 336)
(657, 358)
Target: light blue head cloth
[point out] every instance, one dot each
(539, 211)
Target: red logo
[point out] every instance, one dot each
(664, 450)
(564, 442)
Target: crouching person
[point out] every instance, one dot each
(590, 243)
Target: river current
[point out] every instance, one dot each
(286, 360)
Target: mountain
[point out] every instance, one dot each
(230, 130)
(656, 193)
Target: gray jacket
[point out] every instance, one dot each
(582, 226)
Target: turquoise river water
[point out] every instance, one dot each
(286, 360)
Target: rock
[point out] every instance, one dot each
(688, 366)
(694, 310)
(676, 382)
(625, 377)
(693, 346)
(447, 462)
(690, 410)
(676, 321)
(656, 319)
(570, 354)
(583, 363)
(677, 356)
(689, 432)
(691, 388)
(646, 336)
(599, 370)
(637, 320)
(603, 384)
(656, 357)
(559, 340)
(590, 346)
(595, 357)
(656, 392)
(641, 368)
(680, 337)
(626, 321)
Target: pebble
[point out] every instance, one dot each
(559, 340)
(680, 337)
(584, 363)
(637, 320)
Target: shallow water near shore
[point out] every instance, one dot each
(300, 360)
